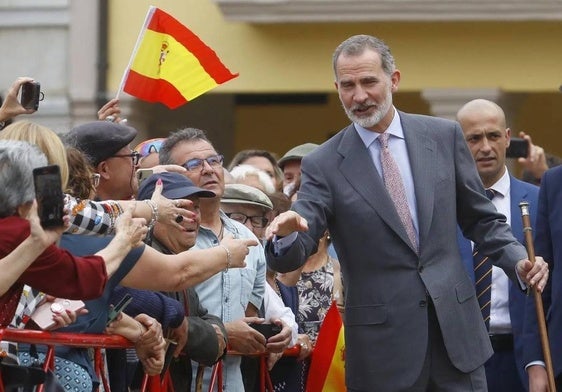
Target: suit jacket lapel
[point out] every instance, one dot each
(358, 168)
(421, 152)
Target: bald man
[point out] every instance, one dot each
(484, 126)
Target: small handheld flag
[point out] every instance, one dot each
(170, 64)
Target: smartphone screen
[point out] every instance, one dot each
(48, 192)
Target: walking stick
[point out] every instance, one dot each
(527, 230)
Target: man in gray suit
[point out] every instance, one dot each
(412, 320)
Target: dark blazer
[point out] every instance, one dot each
(387, 283)
(548, 237)
(519, 191)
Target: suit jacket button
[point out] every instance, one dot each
(423, 303)
(420, 269)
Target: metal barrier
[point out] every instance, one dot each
(265, 379)
(82, 340)
(98, 341)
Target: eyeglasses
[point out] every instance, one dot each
(197, 164)
(256, 221)
(95, 179)
(149, 146)
(135, 156)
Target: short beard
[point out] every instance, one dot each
(373, 119)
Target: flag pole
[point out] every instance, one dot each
(149, 14)
(527, 230)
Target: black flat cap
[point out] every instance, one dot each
(99, 140)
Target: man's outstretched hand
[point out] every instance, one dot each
(285, 224)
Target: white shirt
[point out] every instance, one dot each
(276, 309)
(500, 321)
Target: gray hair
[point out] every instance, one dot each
(357, 44)
(17, 161)
(241, 172)
(183, 135)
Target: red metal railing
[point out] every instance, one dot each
(97, 342)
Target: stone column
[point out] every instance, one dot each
(83, 64)
(445, 102)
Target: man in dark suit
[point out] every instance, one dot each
(484, 127)
(391, 205)
(548, 245)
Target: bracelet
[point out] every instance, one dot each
(228, 257)
(154, 209)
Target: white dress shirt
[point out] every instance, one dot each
(500, 321)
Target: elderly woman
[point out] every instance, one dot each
(83, 277)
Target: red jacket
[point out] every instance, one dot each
(55, 271)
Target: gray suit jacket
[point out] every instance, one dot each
(388, 285)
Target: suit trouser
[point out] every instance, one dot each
(501, 373)
(438, 373)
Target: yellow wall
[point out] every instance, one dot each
(522, 59)
(297, 57)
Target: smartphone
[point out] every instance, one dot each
(113, 313)
(267, 330)
(30, 95)
(518, 148)
(143, 174)
(43, 314)
(48, 192)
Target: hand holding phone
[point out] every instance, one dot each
(43, 314)
(518, 148)
(267, 330)
(48, 192)
(117, 309)
(31, 95)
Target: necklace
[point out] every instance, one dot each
(276, 288)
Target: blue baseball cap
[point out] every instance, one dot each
(175, 186)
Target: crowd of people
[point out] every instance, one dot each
(408, 223)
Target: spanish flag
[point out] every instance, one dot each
(170, 64)
(327, 367)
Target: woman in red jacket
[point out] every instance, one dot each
(54, 271)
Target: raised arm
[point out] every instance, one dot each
(98, 217)
(156, 271)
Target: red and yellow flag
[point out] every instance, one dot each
(327, 367)
(170, 64)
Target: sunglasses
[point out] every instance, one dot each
(149, 146)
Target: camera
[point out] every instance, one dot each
(31, 95)
(518, 148)
(48, 192)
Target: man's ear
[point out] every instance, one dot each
(395, 81)
(103, 170)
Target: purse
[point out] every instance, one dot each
(19, 378)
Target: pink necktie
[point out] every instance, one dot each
(395, 187)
